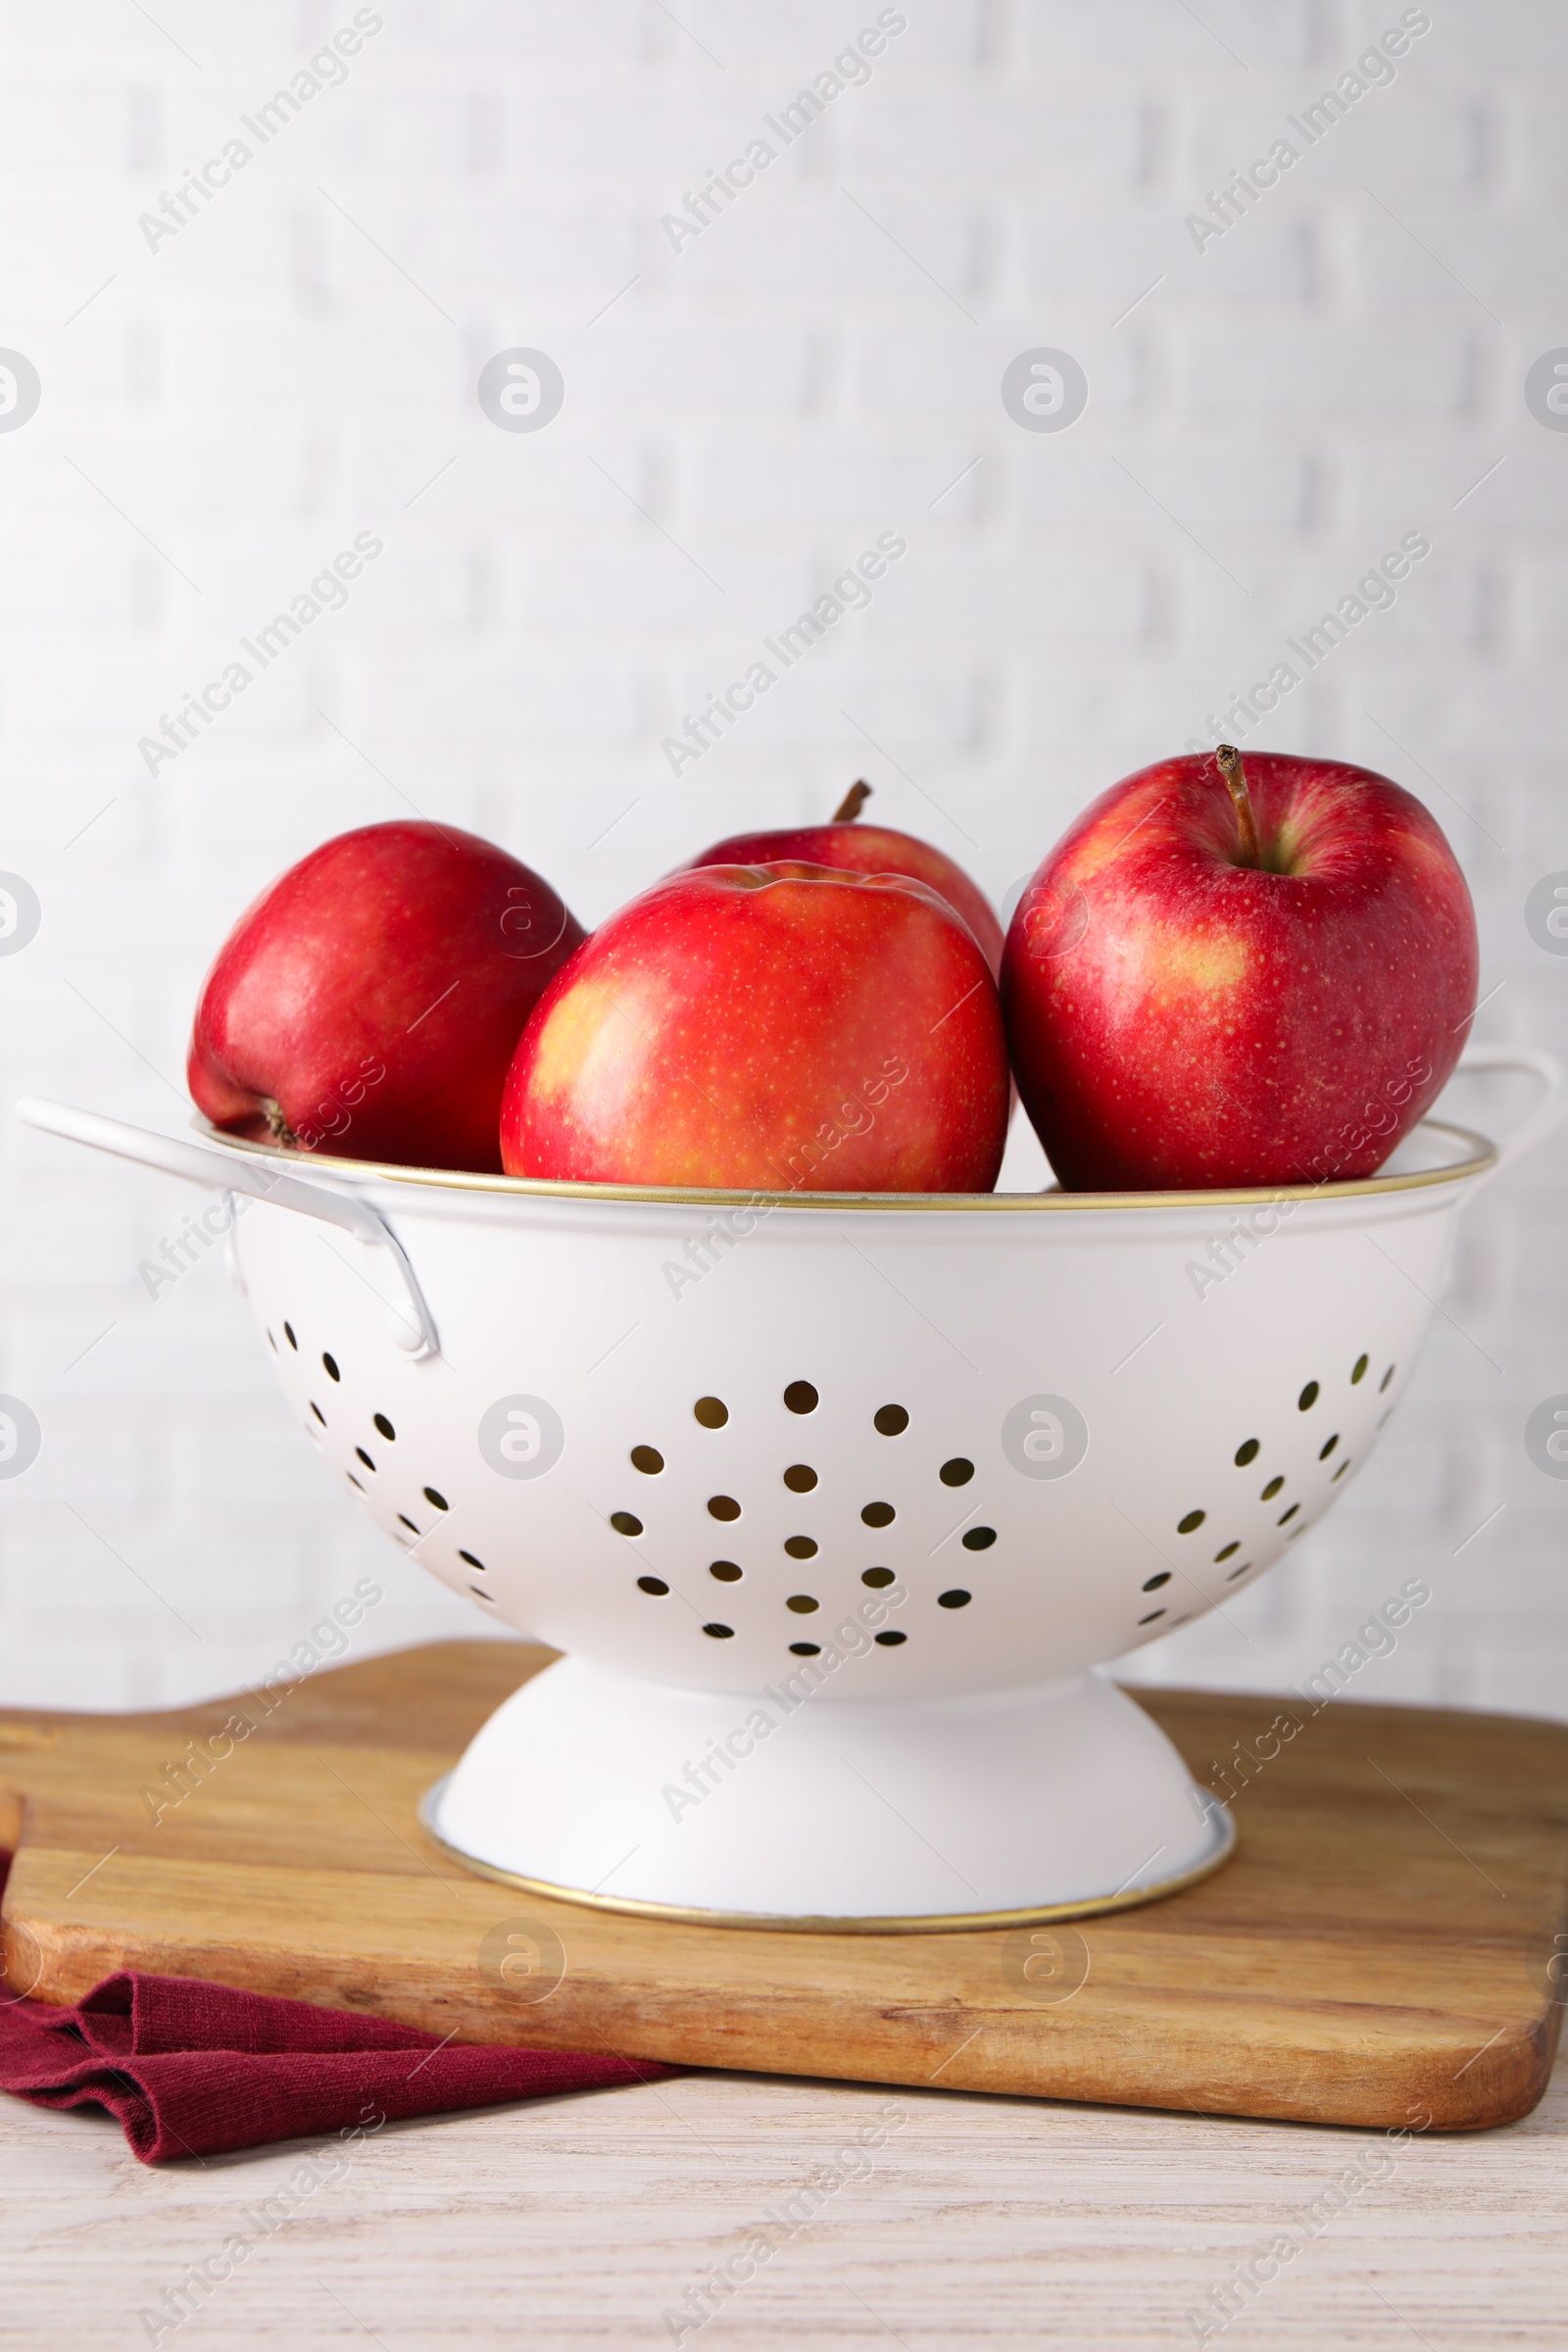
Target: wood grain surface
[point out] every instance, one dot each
(1378, 1953)
(983, 2225)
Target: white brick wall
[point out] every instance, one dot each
(298, 363)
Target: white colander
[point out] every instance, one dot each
(835, 1502)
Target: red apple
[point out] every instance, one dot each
(777, 1027)
(857, 849)
(1226, 977)
(369, 1003)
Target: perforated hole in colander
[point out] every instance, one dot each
(719, 1633)
(800, 1478)
(1308, 1396)
(365, 1457)
(1359, 1373)
(878, 1514)
(648, 1459)
(384, 1425)
(473, 1562)
(712, 1411)
(800, 1548)
(1192, 1521)
(891, 1639)
(404, 1521)
(1248, 1452)
(1387, 1377)
(651, 1583)
(876, 1578)
(437, 1502)
(978, 1539)
(1151, 1584)
(725, 1570)
(1233, 1573)
(288, 1334)
(890, 1419)
(1324, 1452)
(330, 1364)
(317, 1410)
(957, 1599)
(723, 1507)
(957, 1473)
(800, 1397)
(805, 1650)
(1150, 1619)
(1272, 1488)
(626, 1523)
(1228, 1552)
(802, 1604)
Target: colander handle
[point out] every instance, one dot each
(412, 1324)
(1530, 1062)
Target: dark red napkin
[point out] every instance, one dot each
(191, 2069)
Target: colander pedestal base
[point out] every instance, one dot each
(779, 1807)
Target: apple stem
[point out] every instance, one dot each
(1228, 759)
(852, 803)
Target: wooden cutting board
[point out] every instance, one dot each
(1380, 1951)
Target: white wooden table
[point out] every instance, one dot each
(980, 2221)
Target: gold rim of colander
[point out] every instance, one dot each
(923, 1923)
(1482, 1156)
